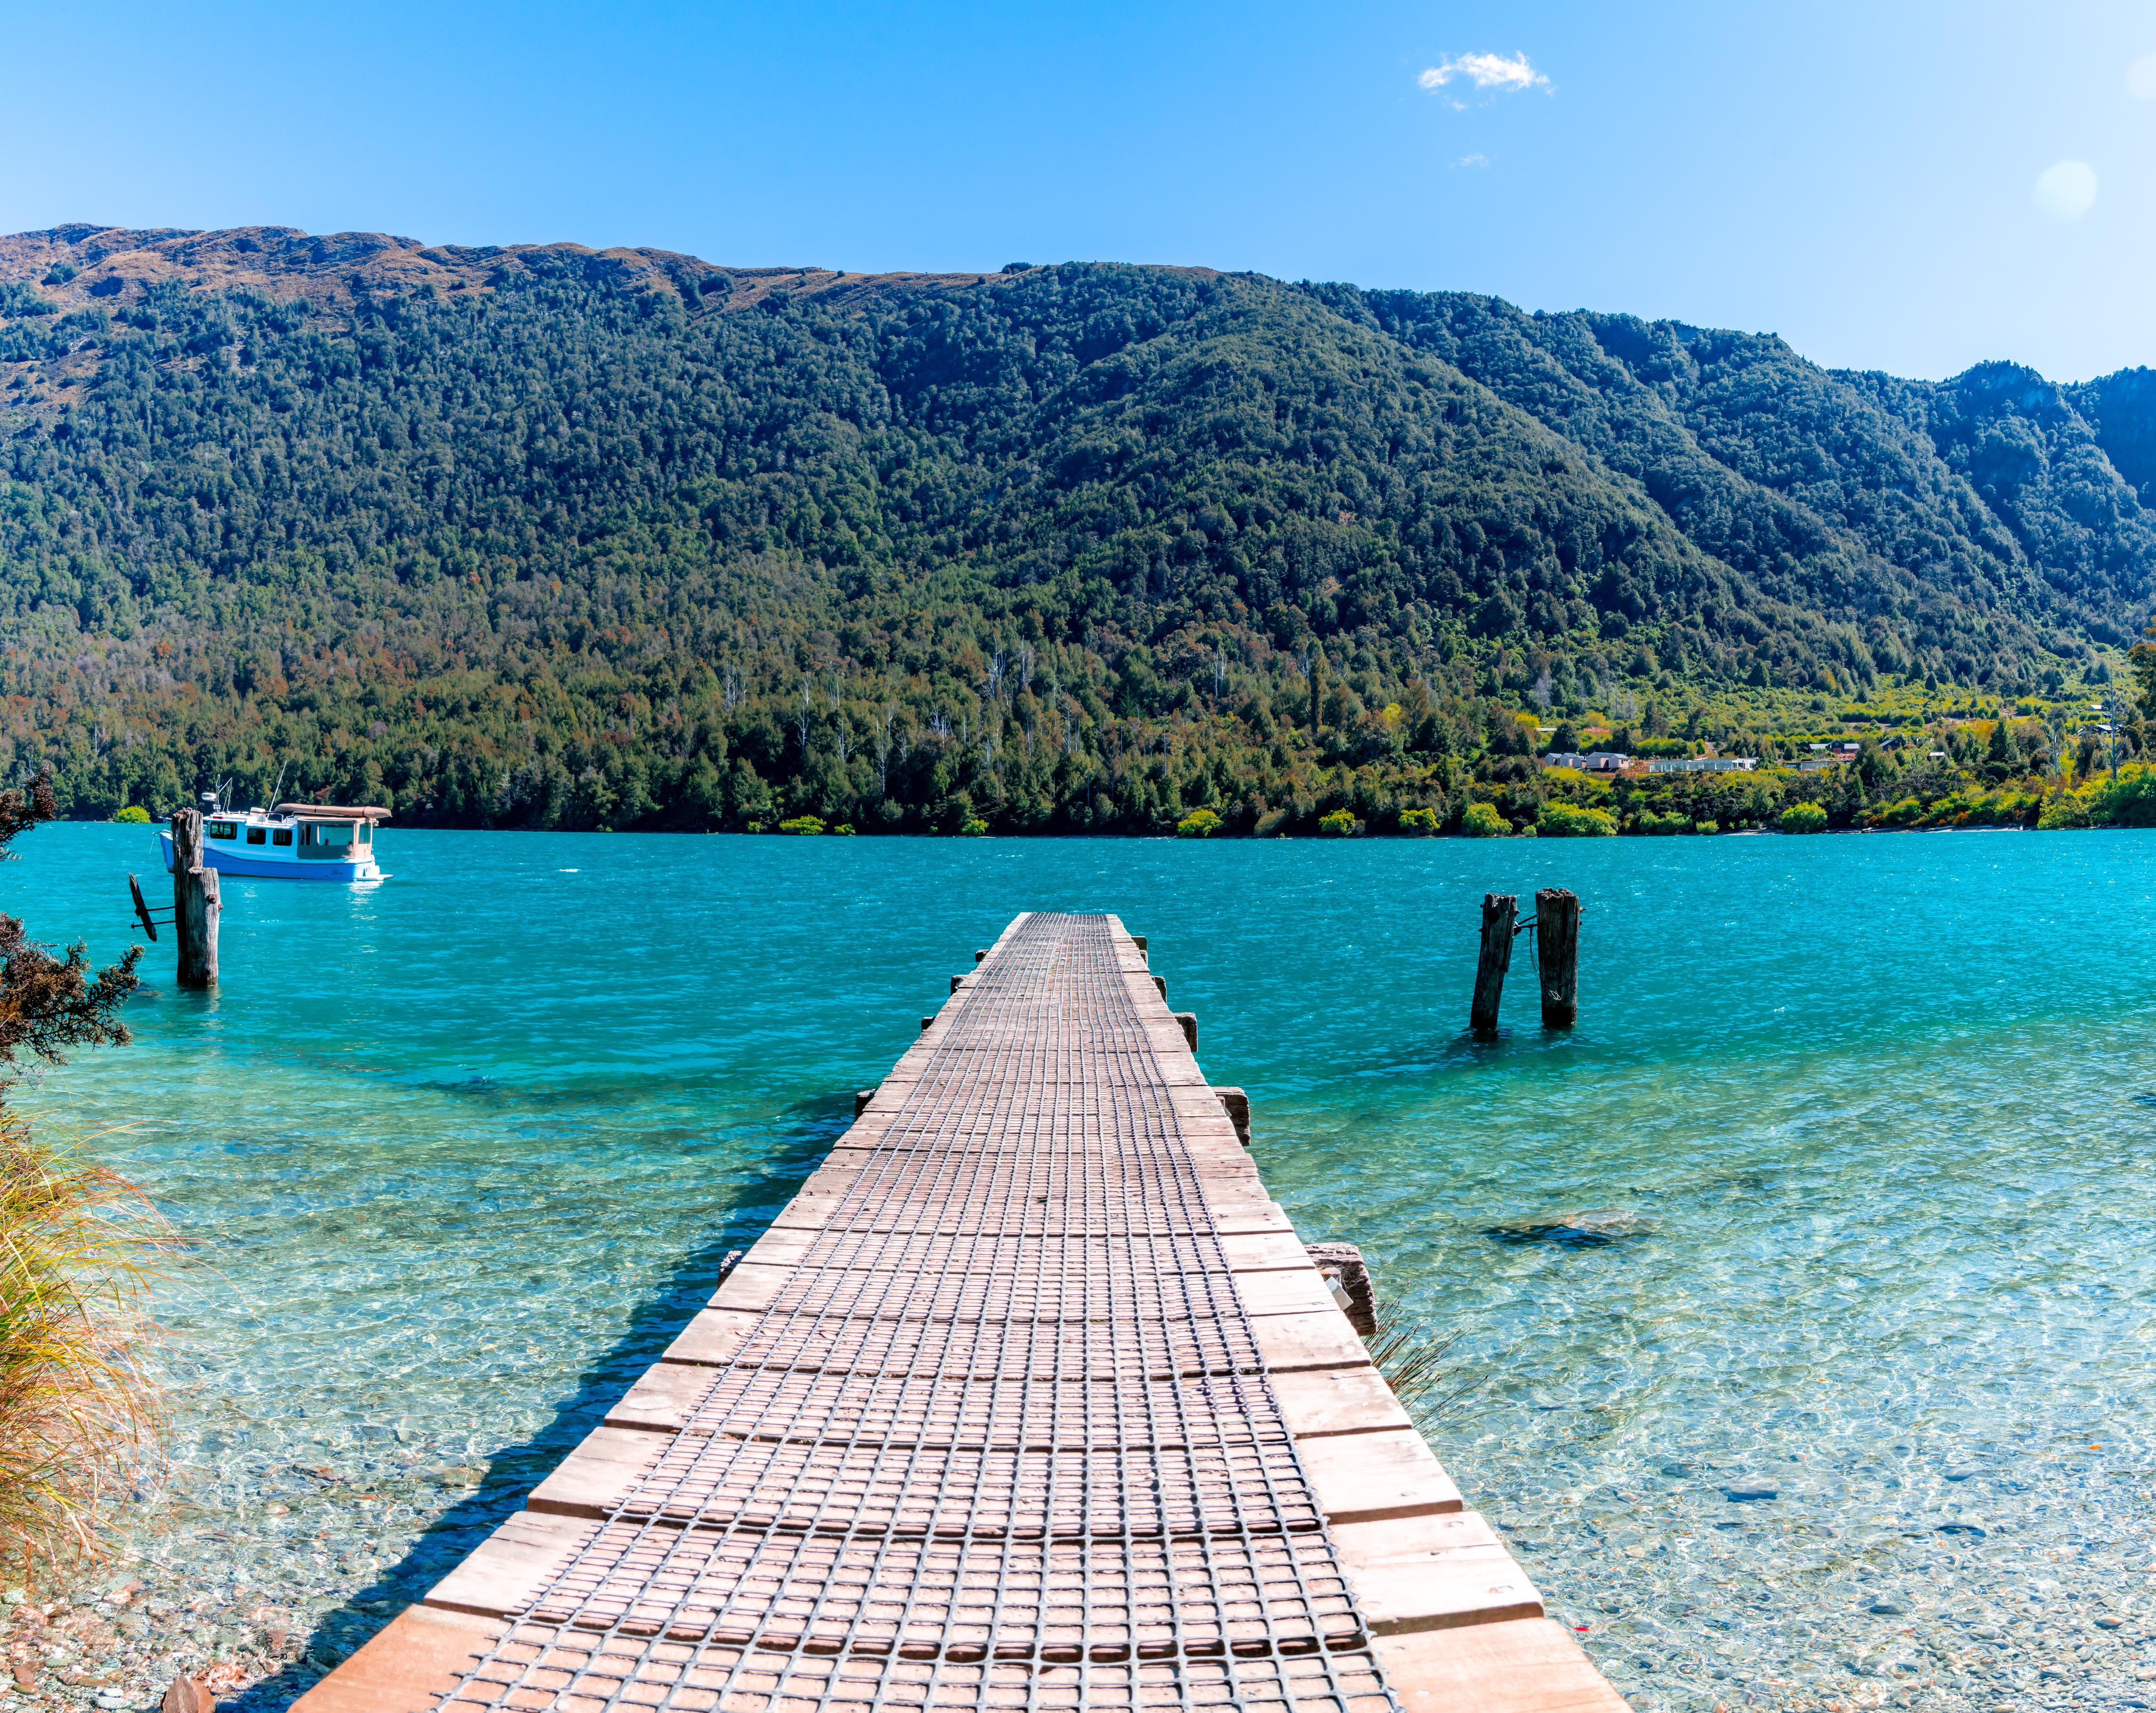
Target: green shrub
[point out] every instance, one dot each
(844, 829)
(803, 826)
(1559, 820)
(1199, 824)
(2127, 798)
(974, 828)
(1419, 824)
(134, 815)
(1707, 826)
(1804, 817)
(1482, 821)
(1898, 813)
(2065, 809)
(1339, 824)
(1664, 825)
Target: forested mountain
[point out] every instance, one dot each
(548, 536)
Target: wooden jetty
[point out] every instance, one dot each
(1031, 1398)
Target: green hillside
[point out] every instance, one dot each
(554, 537)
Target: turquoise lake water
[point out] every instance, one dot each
(1864, 1126)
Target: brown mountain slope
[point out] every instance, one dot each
(83, 264)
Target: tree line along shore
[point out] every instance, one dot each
(1047, 741)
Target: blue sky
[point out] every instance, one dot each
(1869, 181)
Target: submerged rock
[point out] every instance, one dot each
(1593, 1228)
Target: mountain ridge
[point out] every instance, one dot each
(340, 266)
(252, 469)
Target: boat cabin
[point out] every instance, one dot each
(293, 841)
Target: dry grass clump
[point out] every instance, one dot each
(77, 1410)
(78, 1413)
(1412, 1355)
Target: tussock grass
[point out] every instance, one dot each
(1411, 1355)
(79, 1413)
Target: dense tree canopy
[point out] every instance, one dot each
(561, 540)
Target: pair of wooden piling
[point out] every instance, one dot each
(1555, 923)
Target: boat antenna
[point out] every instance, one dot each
(277, 790)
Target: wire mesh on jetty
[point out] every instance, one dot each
(1001, 1439)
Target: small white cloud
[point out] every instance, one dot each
(2140, 78)
(1486, 71)
(1472, 160)
(2067, 191)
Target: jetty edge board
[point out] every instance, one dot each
(1039, 1260)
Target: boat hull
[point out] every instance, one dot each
(227, 861)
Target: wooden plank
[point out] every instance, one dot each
(1265, 1251)
(1243, 1219)
(660, 1400)
(780, 1246)
(408, 1666)
(1433, 1572)
(1321, 1401)
(751, 1287)
(1312, 1338)
(597, 1478)
(1380, 1477)
(714, 1335)
(1287, 1294)
(1522, 1666)
(506, 1569)
(811, 1209)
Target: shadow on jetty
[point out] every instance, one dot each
(516, 1470)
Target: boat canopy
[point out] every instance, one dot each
(333, 812)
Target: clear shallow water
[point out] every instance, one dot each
(1870, 1121)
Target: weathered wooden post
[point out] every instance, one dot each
(1187, 1021)
(1557, 948)
(1347, 1276)
(1498, 909)
(194, 902)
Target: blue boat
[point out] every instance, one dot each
(291, 842)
